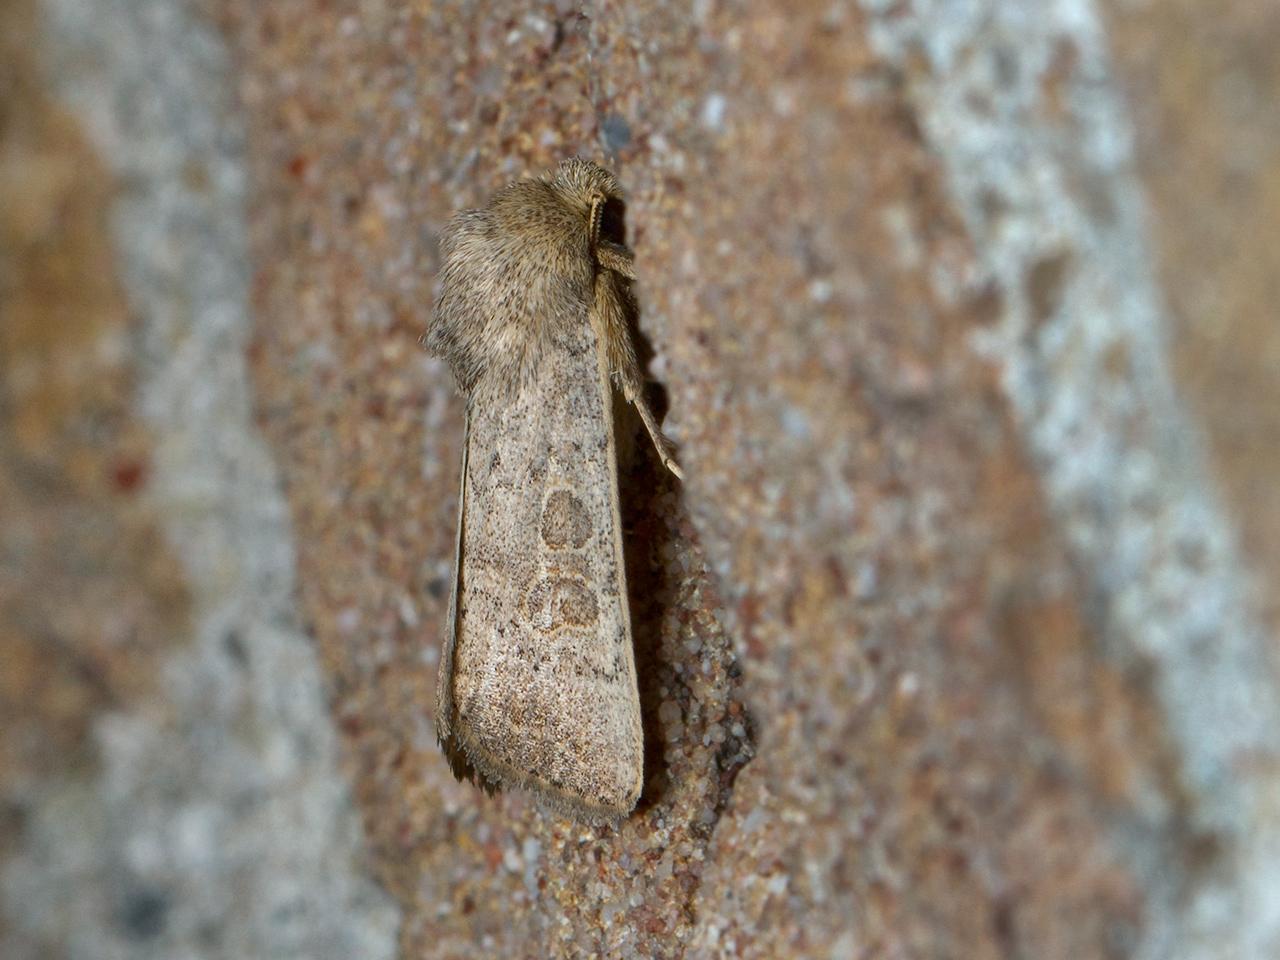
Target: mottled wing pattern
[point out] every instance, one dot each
(539, 688)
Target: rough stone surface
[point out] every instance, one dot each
(945, 646)
(168, 774)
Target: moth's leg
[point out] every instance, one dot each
(611, 304)
(616, 257)
(632, 394)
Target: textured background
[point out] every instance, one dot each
(958, 641)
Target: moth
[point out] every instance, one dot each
(537, 679)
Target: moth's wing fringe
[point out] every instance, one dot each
(462, 767)
(459, 763)
(444, 674)
(490, 772)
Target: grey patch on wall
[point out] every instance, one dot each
(1056, 213)
(217, 823)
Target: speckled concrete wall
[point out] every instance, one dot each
(946, 645)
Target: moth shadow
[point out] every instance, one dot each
(650, 520)
(650, 515)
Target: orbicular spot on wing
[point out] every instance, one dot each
(558, 603)
(565, 522)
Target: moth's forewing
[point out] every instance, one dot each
(538, 684)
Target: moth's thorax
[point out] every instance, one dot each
(516, 273)
(540, 242)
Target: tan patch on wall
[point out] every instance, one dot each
(89, 592)
(1201, 80)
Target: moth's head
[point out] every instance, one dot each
(592, 192)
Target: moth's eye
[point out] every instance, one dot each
(613, 223)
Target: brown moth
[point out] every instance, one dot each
(537, 680)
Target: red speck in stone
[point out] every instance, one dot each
(128, 475)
